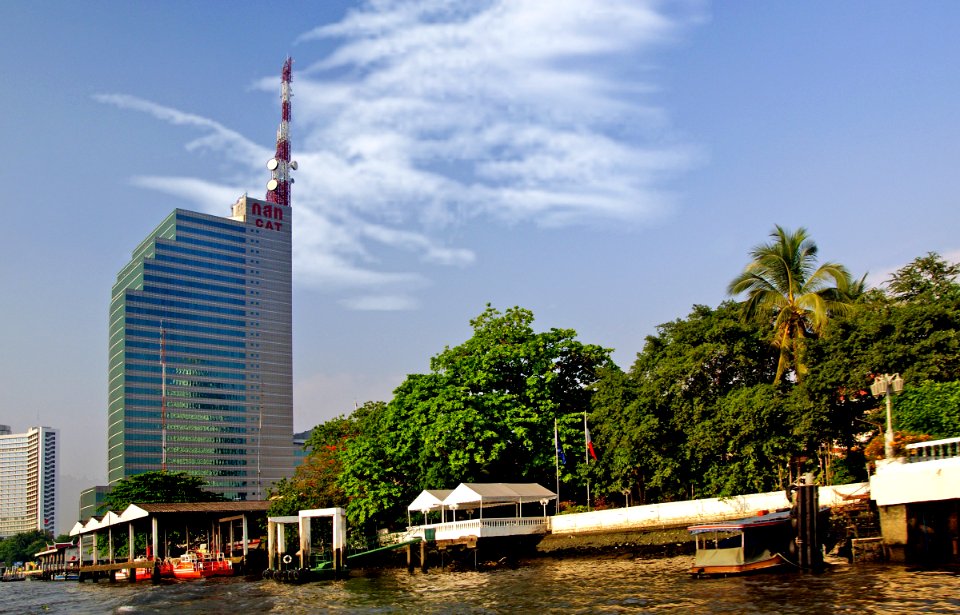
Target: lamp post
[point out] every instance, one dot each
(885, 384)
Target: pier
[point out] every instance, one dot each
(918, 496)
(222, 526)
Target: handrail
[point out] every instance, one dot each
(933, 449)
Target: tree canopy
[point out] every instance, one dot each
(22, 547)
(704, 410)
(484, 413)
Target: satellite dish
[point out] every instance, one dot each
(272, 164)
(272, 185)
(293, 165)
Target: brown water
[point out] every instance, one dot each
(604, 585)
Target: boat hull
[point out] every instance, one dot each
(764, 565)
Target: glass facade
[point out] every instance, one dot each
(28, 480)
(200, 351)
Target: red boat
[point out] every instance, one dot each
(146, 574)
(197, 565)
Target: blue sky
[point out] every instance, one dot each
(604, 163)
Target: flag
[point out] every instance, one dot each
(556, 443)
(586, 435)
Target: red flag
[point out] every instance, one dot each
(586, 434)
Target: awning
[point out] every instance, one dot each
(429, 499)
(480, 495)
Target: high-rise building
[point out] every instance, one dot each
(28, 480)
(200, 351)
(200, 358)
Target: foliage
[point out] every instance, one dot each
(876, 448)
(315, 482)
(703, 411)
(931, 408)
(22, 547)
(928, 277)
(783, 286)
(485, 413)
(158, 486)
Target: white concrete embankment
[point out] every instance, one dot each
(691, 512)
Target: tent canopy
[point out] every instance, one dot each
(429, 499)
(474, 495)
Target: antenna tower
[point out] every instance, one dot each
(278, 188)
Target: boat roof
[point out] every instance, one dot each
(774, 518)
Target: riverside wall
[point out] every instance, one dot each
(661, 529)
(691, 512)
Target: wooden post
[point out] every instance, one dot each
(409, 559)
(423, 556)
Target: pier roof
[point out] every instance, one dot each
(429, 499)
(134, 512)
(496, 494)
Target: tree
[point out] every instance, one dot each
(782, 284)
(927, 276)
(316, 482)
(485, 413)
(157, 487)
(22, 547)
(664, 423)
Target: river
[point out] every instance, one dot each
(545, 585)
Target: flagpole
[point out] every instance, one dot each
(586, 456)
(556, 460)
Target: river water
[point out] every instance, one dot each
(602, 585)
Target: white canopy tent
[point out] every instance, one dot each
(429, 499)
(487, 495)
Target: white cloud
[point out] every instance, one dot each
(429, 114)
(388, 303)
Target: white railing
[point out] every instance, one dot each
(935, 449)
(482, 528)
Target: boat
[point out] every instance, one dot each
(13, 575)
(146, 574)
(200, 565)
(744, 545)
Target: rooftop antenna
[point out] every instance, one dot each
(278, 188)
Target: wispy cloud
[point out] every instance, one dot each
(429, 115)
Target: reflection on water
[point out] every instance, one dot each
(605, 585)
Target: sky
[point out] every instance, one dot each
(606, 164)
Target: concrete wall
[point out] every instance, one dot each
(896, 482)
(690, 512)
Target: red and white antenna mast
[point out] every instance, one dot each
(278, 188)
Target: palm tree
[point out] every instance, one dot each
(782, 284)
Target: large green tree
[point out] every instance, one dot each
(485, 413)
(316, 482)
(22, 547)
(669, 428)
(784, 285)
(929, 277)
(912, 332)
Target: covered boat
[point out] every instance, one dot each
(745, 545)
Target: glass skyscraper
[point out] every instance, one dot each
(28, 480)
(200, 351)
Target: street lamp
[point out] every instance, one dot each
(885, 384)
